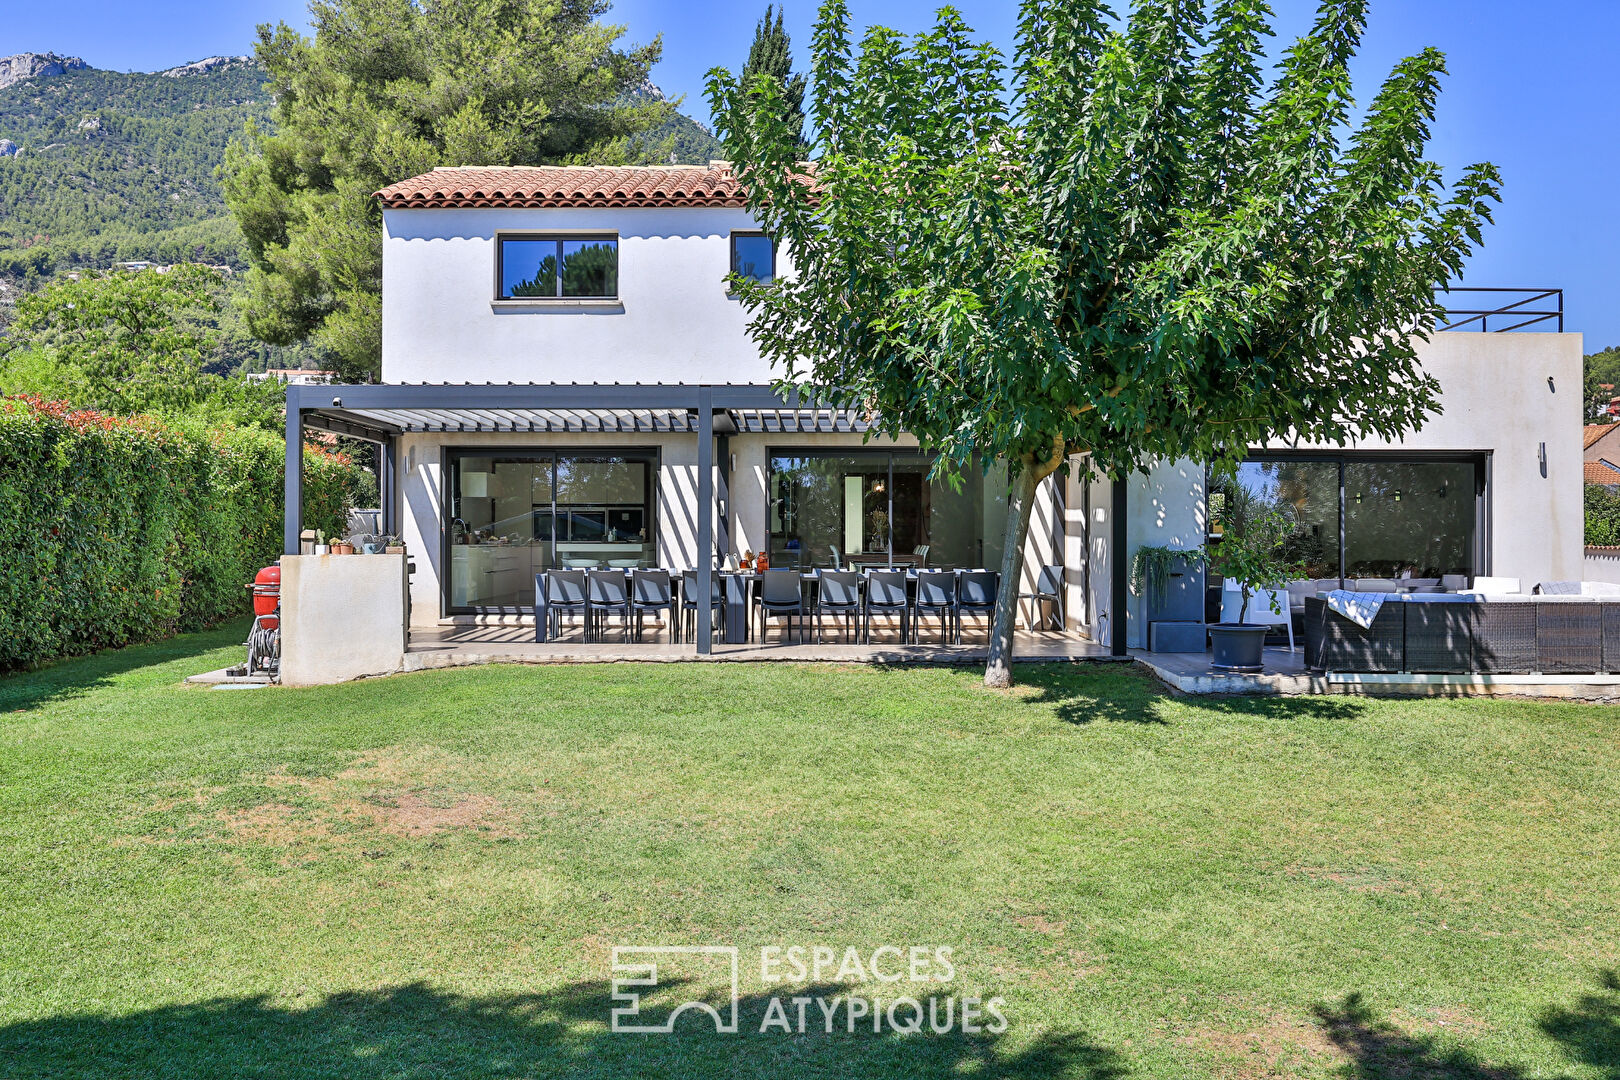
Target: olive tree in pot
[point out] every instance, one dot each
(1254, 550)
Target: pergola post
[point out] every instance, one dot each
(387, 463)
(705, 519)
(293, 483)
(1119, 585)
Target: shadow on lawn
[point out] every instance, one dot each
(77, 676)
(418, 1031)
(1122, 693)
(1376, 1049)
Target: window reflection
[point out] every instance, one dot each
(514, 515)
(877, 508)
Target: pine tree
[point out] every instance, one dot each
(771, 54)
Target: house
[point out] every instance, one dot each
(565, 381)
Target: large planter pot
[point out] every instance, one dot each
(1237, 647)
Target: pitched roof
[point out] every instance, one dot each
(1594, 432)
(1602, 472)
(546, 186)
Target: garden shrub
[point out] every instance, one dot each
(1602, 516)
(116, 530)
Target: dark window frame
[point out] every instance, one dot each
(450, 488)
(1479, 459)
(559, 237)
(887, 454)
(735, 233)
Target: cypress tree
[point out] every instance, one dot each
(771, 54)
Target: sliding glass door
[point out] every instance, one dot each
(513, 514)
(1368, 514)
(880, 508)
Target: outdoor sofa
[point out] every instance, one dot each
(1557, 630)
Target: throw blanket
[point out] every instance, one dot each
(1360, 608)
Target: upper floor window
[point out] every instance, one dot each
(753, 255)
(559, 267)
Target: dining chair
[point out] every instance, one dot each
(936, 595)
(565, 595)
(650, 591)
(886, 592)
(717, 603)
(781, 592)
(606, 596)
(1048, 589)
(975, 595)
(839, 592)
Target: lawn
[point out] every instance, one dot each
(424, 876)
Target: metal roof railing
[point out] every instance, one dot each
(1499, 309)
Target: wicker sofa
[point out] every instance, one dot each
(1448, 634)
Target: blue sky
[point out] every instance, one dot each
(1530, 89)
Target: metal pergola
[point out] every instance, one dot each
(380, 413)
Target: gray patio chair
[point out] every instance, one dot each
(837, 557)
(605, 595)
(886, 592)
(717, 602)
(650, 591)
(936, 595)
(1048, 588)
(565, 595)
(975, 595)
(781, 593)
(839, 592)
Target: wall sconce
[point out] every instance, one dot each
(1397, 494)
(1358, 498)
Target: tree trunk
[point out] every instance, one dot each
(1020, 505)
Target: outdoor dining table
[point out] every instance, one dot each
(737, 594)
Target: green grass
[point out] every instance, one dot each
(423, 876)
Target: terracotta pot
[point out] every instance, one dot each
(343, 549)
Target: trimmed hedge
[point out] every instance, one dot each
(117, 530)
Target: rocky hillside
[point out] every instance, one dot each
(28, 65)
(98, 167)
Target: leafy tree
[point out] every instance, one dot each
(130, 342)
(1124, 243)
(1602, 383)
(1602, 516)
(771, 54)
(390, 88)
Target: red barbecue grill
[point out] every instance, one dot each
(264, 641)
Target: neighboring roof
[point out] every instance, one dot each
(1594, 432)
(547, 186)
(1602, 472)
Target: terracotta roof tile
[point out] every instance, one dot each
(547, 186)
(1593, 432)
(1601, 472)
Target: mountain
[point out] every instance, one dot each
(103, 166)
(27, 65)
(98, 167)
(680, 140)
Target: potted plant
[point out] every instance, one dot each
(341, 546)
(321, 546)
(394, 545)
(1254, 550)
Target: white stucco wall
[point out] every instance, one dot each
(1505, 395)
(674, 322)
